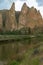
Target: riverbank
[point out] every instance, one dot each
(22, 52)
(18, 37)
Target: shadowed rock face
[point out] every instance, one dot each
(12, 20)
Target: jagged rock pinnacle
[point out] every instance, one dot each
(24, 4)
(24, 8)
(26, 18)
(13, 6)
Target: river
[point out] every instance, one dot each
(10, 50)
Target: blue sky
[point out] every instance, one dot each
(6, 4)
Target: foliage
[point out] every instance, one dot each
(14, 63)
(23, 31)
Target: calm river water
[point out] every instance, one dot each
(10, 50)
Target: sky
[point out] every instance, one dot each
(6, 4)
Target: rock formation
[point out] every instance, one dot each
(34, 18)
(11, 23)
(29, 17)
(1, 25)
(23, 16)
(11, 20)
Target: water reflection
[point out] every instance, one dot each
(15, 49)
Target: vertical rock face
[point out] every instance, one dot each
(11, 20)
(29, 17)
(23, 16)
(1, 22)
(11, 23)
(34, 18)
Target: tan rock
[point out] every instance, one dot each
(1, 22)
(11, 23)
(14, 20)
(23, 16)
(34, 18)
(30, 17)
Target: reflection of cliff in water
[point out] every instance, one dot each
(15, 49)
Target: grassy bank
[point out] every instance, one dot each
(18, 37)
(28, 59)
(15, 37)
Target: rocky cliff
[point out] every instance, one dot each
(30, 17)
(11, 23)
(11, 20)
(1, 25)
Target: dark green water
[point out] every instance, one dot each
(10, 50)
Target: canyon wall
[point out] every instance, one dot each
(11, 20)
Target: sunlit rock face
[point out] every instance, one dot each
(34, 18)
(29, 17)
(11, 23)
(12, 20)
(23, 16)
(1, 22)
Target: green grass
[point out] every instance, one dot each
(19, 37)
(13, 62)
(28, 59)
(35, 61)
(14, 37)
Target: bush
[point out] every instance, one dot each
(13, 63)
